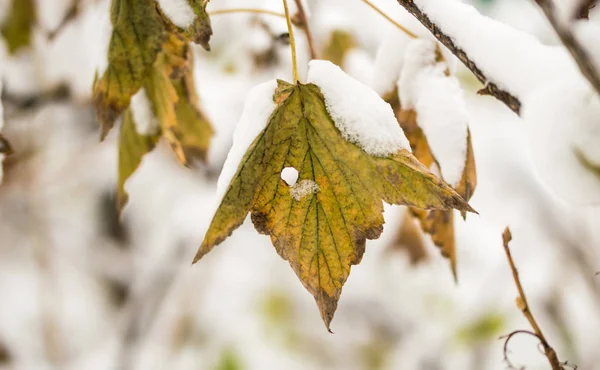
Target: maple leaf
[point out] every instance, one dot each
(320, 230)
(18, 27)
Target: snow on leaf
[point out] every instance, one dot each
(137, 38)
(426, 86)
(132, 148)
(439, 224)
(189, 18)
(200, 30)
(145, 121)
(303, 188)
(358, 112)
(323, 233)
(17, 29)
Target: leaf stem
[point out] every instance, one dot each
(292, 41)
(389, 19)
(303, 23)
(246, 10)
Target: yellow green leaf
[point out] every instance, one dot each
(195, 129)
(164, 98)
(132, 148)
(18, 27)
(200, 31)
(137, 39)
(321, 231)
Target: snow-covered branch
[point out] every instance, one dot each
(448, 40)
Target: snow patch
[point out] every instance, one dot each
(563, 127)
(289, 175)
(144, 118)
(389, 61)
(255, 116)
(362, 117)
(179, 12)
(303, 188)
(438, 101)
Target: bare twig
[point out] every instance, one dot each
(507, 339)
(524, 307)
(302, 21)
(491, 88)
(390, 19)
(581, 56)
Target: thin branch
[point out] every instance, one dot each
(246, 10)
(507, 339)
(292, 41)
(524, 307)
(302, 22)
(389, 19)
(490, 88)
(581, 56)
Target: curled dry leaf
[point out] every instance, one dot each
(323, 233)
(439, 224)
(140, 33)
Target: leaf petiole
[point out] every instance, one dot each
(292, 41)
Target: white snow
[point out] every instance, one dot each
(146, 122)
(179, 12)
(303, 188)
(257, 110)
(588, 35)
(562, 125)
(438, 101)
(389, 61)
(362, 117)
(289, 175)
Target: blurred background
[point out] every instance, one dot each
(81, 290)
